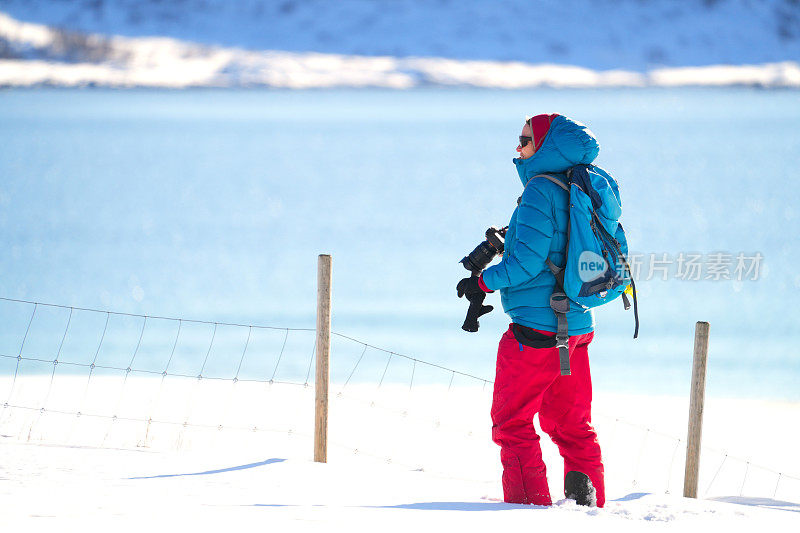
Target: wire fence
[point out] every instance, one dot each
(140, 375)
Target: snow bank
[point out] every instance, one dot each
(48, 56)
(785, 74)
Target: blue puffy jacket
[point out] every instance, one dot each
(538, 230)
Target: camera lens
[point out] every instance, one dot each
(478, 258)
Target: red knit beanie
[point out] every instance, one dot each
(540, 125)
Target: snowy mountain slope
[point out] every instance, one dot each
(42, 55)
(598, 34)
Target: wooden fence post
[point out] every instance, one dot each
(698, 394)
(323, 351)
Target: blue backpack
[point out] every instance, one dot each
(597, 270)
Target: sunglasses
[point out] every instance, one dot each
(523, 141)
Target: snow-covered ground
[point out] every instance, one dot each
(153, 452)
(125, 490)
(34, 54)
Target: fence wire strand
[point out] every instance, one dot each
(149, 420)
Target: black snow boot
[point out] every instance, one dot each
(578, 487)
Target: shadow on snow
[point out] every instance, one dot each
(219, 471)
(766, 503)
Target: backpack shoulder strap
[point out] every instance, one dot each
(559, 302)
(553, 179)
(547, 176)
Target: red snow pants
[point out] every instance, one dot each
(529, 381)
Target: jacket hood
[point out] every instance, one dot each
(567, 143)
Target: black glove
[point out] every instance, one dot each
(469, 287)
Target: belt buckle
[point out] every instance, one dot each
(562, 341)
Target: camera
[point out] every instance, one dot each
(483, 254)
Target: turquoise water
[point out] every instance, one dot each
(213, 205)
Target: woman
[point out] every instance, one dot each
(528, 379)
